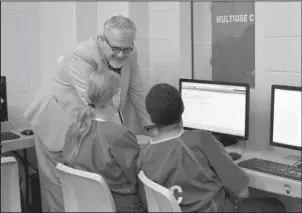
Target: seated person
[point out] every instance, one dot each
(193, 164)
(95, 143)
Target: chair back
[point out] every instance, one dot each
(84, 191)
(159, 198)
(10, 189)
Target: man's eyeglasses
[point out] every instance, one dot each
(116, 50)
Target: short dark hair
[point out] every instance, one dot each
(164, 105)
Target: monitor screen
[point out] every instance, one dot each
(3, 107)
(286, 116)
(218, 107)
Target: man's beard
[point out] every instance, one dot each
(112, 63)
(114, 69)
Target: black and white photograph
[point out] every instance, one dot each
(151, 106)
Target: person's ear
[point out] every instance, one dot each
(102, 41)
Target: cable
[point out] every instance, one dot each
(293, 167)
(295, 164)
(12, 127)
(243, 148)
(9, 123)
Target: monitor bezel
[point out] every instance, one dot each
(273, 89)
(224, 83)
(4, 96)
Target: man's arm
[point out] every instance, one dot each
(232, 177)
(79, 70)
(137, 93)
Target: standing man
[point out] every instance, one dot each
(56, 106)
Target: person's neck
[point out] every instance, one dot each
(169, 131)
(106, 114)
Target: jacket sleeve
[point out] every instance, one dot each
(79, 69)
(137, 93)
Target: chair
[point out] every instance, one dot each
(159, 198)
(10, 190)
(84, 191)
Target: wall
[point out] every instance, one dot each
(20, 57)
(163, 37)
(278, 58)
(164, 41)
(33, 36)
(57, 34)
(278, 61)
(138, 12)
(86, 21)
(169, 42)
(108, 9)
(202, 31)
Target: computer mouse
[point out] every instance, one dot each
(235, 156)
(27, 132)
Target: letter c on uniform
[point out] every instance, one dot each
(179, 190)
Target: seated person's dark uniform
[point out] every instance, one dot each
(193, 164)
(96, 144)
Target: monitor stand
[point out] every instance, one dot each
(226, 140)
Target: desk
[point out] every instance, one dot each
(22, 143)
(268, 182)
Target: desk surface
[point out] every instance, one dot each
(268, 182)
(258, 180)
(24, 142)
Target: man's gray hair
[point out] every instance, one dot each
(121, 24)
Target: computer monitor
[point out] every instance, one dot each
(3, 107)
(218, 107)
(285, 127)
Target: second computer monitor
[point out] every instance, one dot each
(286, 116)
(218, 107)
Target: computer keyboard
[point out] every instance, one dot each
(9, 136)
(274, 168)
